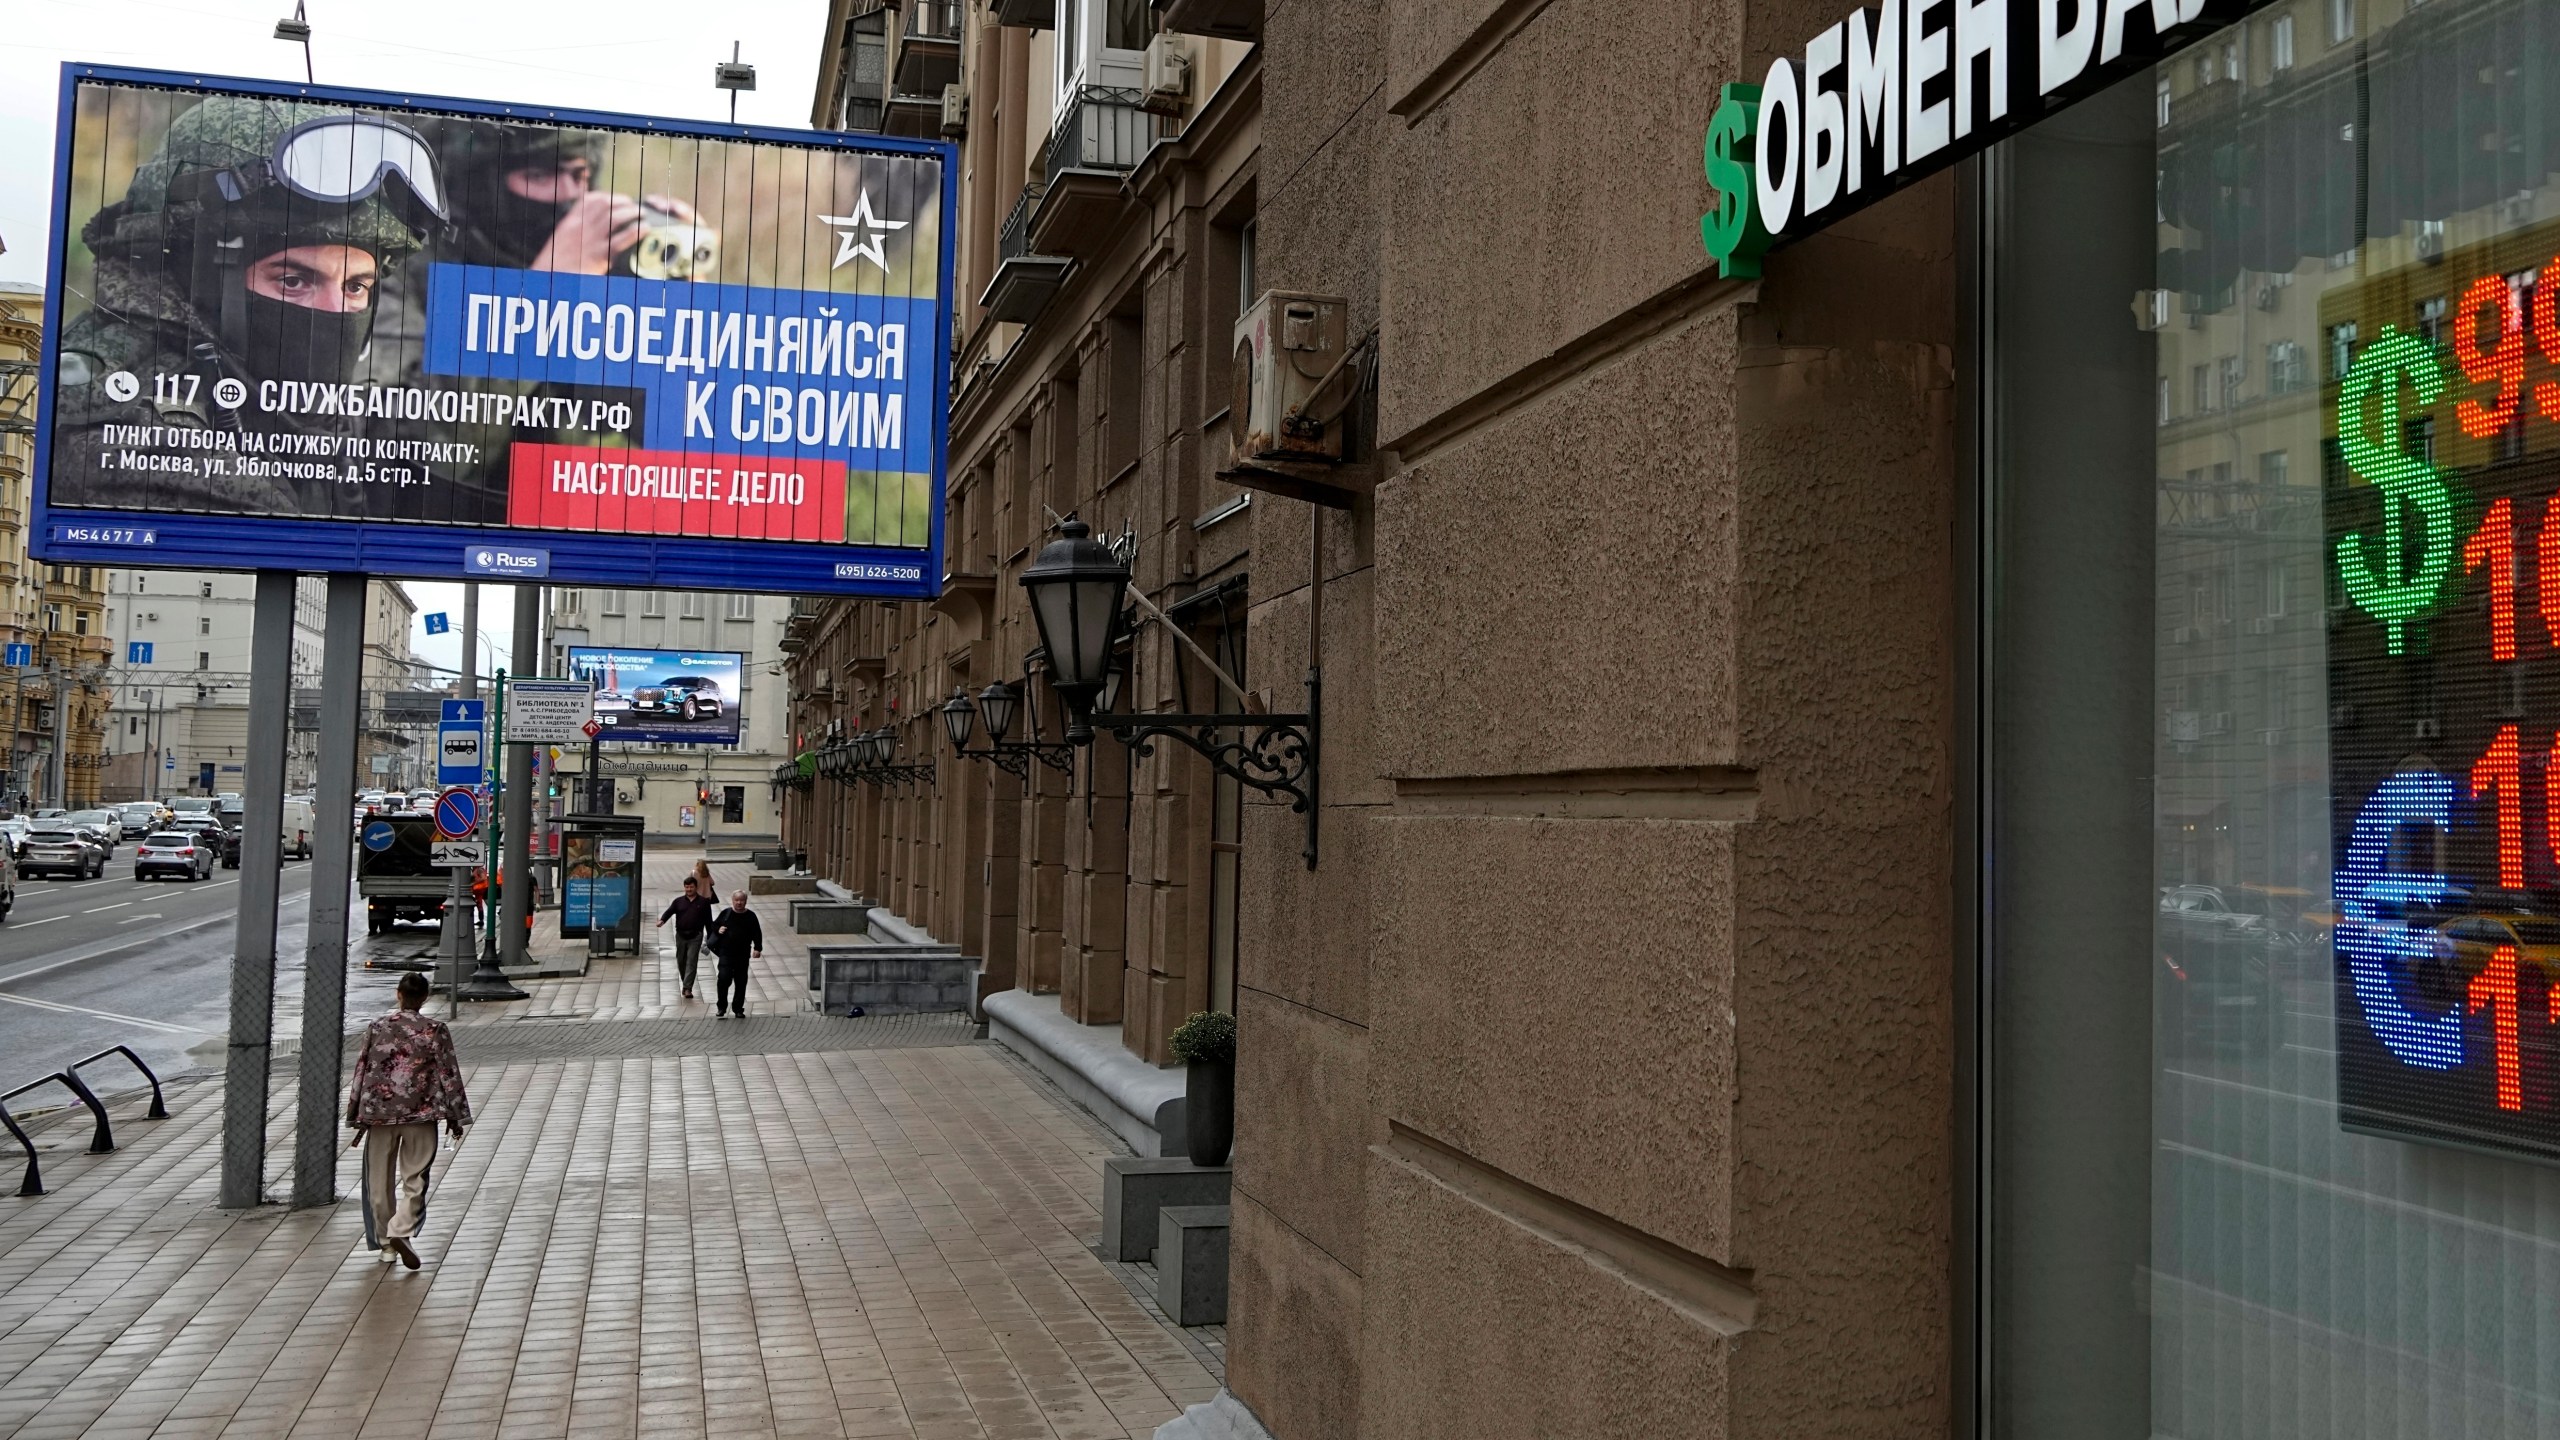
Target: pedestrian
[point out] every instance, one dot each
(735, 934)
(692, 913)
(406, 1080)
(702, 877)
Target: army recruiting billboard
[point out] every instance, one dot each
(672, 697)
(314, 329)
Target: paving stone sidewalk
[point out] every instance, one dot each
(663, 1225)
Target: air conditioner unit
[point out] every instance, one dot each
(1286, 345)
(2431, 240)
(2517, 209)
(2270, 296)
(955, 111)
(151, 615)
(1168, 76)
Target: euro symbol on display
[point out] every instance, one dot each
(1732, 230)
(2402, 577)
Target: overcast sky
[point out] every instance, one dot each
(650, 57)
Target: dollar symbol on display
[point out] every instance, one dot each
(1732, 230)
(2400, 578)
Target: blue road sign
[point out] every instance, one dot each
(466, 712)
(458, 754)
(438, 623)
(137, 652)
(169, 761)
(21, 655)
(377, 836)
(457, 813)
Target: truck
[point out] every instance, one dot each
(398, 877)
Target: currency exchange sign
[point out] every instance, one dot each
(741, 388)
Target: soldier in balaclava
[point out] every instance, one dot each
(245, 251)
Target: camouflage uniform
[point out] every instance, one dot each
(169, 299)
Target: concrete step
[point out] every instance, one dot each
(1191, 1263)
(818, 956)
(831, 917)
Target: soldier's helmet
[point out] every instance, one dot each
(274, 173)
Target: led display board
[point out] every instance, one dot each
(2443, 504)
(305, 328)
(674, 697)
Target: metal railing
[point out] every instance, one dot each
(1102, 129)
(103, 1140)
(1013, 241)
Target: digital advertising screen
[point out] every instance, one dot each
(671, 697)
(314, 329)
(2442, 380)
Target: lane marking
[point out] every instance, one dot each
(137, 919)
(49, 919)
(160, 1025)
(103, 909)
(108, 949)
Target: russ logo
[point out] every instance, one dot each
(1732, 231)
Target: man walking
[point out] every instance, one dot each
(406, 1080)
(735, 935)
(692, 913)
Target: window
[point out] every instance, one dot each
(2288, 368)
(2234, 372)
(2431, 314)
(204, 660)
(141, 582)
(2280, 44)
(2200, 389)
(2342, 21)
(80, 620)
(692, 605)
(204, 624)
(204, 589)
(2160, 106)
(742, 607)
(2418, 437)
(653, 605)
(1128, 24)
(2231, 60)
(53, 617)
(2162, 414)
(2275, 468)
(2342, 349)
(611, 603)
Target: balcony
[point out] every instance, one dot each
(1024, 283)
(928, 50)
(1100, 136)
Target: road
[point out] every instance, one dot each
(85, 964)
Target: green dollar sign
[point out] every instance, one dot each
(1732, 232)
(2382, 579)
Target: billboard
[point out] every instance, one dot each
(317, 329)
(673, 697)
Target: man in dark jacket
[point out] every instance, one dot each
(735, 935)
(692, 913)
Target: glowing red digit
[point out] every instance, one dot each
(2494, 545)
(2494, 990)
(2546, 335)
(2500, 770)
(2502, 366)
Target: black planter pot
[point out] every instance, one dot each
(1209, 1110)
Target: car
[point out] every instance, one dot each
(60, 850)
(15, 829)
(140, 818)
(54, 812)
(107, 825)
(172, 852)
(2207, 904)
(687, 697)
(187, 809)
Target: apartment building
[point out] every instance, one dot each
(56, 692)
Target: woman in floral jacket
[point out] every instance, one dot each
(406, 1080)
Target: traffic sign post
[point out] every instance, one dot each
(438, 623)
(460, 757)
(137, 652)
(488, 982)
(457, 813)
(546, 711)
(21, 655)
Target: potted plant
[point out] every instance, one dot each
(1206, 1045)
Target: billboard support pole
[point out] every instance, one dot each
(253, 955)
(488, 982)
(324, 968)
(515, 853)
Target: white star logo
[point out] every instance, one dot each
(853, 239)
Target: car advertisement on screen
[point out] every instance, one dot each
(672, 697)
(336, 330)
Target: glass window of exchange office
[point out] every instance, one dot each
(2267, 1138)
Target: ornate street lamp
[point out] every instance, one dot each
(1076, 585)
(996, 705)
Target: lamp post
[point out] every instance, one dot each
(1075, 585)
(997, 705)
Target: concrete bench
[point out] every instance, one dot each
(818, 956)
(831, 917)
(1135, 1191)
(763, 884)
(1191, 1263)
(894, 979)
(770, 859)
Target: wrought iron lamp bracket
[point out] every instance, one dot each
(1275, 754)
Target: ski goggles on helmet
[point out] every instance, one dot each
(343, 160)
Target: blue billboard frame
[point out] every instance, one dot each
(429, 551)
